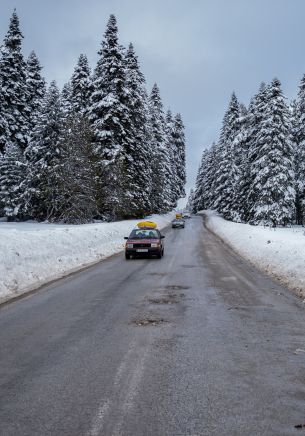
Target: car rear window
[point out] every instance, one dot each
(144, 234)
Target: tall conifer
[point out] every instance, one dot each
(12, 175)
(273, 165)
(36, 88)
(81, 85)
(13, 87)
(110, 117)
(43, 156)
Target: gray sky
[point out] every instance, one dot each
(198, 51)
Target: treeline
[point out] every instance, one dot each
(101, 148)
(256, 172)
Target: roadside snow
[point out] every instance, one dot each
(280, 252)
(32, 254)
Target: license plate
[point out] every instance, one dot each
(142, 250)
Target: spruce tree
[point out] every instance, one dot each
(179, 147)
(170, 143)
(203, 195)
(36, 88)
(296, 140)
(298, 136)
(3, 125)
(198, 196)
(43, 155)
(273, 166)
(66, 100)
(190, 201)
(13, 87)
(239, 205)
(81, 86)
(161, 194)
(225, 175)
(138, 154)
(12, 175)
(109, 117)
(208, 179)
(76, 179)
(256, 113)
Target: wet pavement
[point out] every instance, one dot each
(197, 343)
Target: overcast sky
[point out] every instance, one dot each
(198, 51)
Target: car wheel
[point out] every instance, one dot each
(159, 255)
(127, 256)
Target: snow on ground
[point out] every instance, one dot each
(32, 254)
(280, 252)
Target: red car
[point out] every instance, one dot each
(144, 242)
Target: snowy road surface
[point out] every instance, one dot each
(198, 343)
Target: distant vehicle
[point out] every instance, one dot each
(178, 215)
(186, 215)
(146, 240)
(178, 223)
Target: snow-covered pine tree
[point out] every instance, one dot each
(110, 118)
(43, 156)
(36, 88)
(298, 135)
(179, 147)
(171, 145)
(12, 175)
(255, 117)
(66, 100)
(198, 202)
(208, 177)
(203, 195)
(294, 108)
(209, 180)
(15, 109)
(225, 175)
(161, 193)
(138, 156)
(76, 180)
(3, 126)
(190, 201)
(81, 85)
(273, 166)
(239, 206)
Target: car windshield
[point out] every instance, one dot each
(144, 234)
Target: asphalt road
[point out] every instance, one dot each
(198, 343)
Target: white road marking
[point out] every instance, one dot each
(105, 405)
(124, 370)
(97, 424)
(130, 394)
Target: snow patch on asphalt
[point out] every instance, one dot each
(280, 252)
(32, 254)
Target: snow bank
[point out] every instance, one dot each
(280, 252)
(32, 254)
